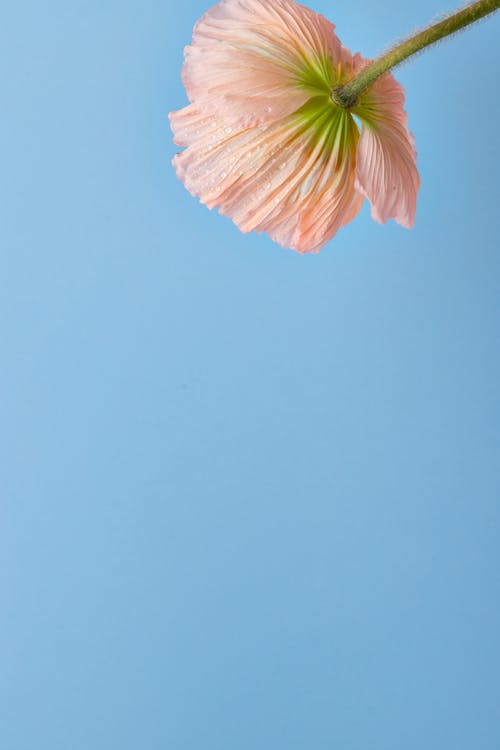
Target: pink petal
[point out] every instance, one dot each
(248, 58)
(275, 178)
(386, 171)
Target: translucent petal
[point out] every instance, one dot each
(386, 171)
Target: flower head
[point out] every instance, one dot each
(264, 140)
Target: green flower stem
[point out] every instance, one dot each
(346, 96)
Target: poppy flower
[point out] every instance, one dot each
(264, 139)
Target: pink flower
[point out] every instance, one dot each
(266, 143)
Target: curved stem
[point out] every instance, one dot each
(347, 95)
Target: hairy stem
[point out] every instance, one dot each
(347, 95)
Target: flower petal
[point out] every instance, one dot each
(255, 61)
(293, 179)
(386, 171)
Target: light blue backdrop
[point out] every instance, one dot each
(249, 500)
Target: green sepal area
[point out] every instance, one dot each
(320, 76)
(317, 74)
(326, 124)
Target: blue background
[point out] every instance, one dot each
(249, 499)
